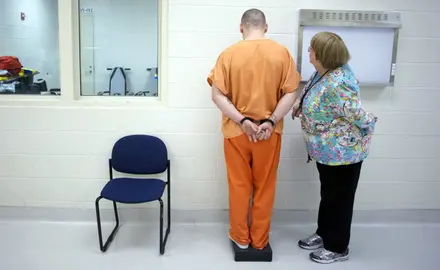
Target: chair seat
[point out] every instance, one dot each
(133, 190)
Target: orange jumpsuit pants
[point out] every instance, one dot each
(252, 172)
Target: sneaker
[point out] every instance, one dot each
(238, 244)
(325, 256)
(311, 243)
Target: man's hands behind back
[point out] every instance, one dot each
(255, 132)
(250, 128)
(264, 131)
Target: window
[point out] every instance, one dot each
(29, 53)
(119, 47)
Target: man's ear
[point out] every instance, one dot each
(241, 28)
(265, 28)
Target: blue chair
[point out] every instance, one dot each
(136, 155)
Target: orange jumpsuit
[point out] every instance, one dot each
(254, 75)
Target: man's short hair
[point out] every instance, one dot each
(253, 18)
(330, 50)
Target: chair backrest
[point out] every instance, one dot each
(140, 154)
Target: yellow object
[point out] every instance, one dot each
(21, 74)
(27, 69)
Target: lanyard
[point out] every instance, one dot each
(310, 86)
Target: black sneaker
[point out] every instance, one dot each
(325, 256)
(311, 243)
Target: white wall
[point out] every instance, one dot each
(126, 34)
(35, 40)
(57, 156)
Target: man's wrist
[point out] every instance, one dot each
(244, 119)
(268, 120)
(274, 119)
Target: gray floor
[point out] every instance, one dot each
(64, 246)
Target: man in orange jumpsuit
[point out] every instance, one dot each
(253, 84)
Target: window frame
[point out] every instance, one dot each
(69, 50)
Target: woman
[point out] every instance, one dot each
(337, 132)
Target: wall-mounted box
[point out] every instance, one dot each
(371, 38)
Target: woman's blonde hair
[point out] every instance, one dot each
(330, 50)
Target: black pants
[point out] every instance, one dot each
(338, 188)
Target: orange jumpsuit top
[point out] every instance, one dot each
(254, 75)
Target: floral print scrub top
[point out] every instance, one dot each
(336, 129)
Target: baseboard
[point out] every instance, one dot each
(280, 217)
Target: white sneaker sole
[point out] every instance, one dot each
(310, 247)
(239, 245)
(340, 259)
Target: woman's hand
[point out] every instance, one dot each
(295, 111)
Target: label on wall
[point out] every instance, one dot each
(393, 70)
(87, 10)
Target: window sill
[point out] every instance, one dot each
(29, 100)
(119, 101)
(93, 101)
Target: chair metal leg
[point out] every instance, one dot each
(105, 246)
(169, 207)
(162, 240)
